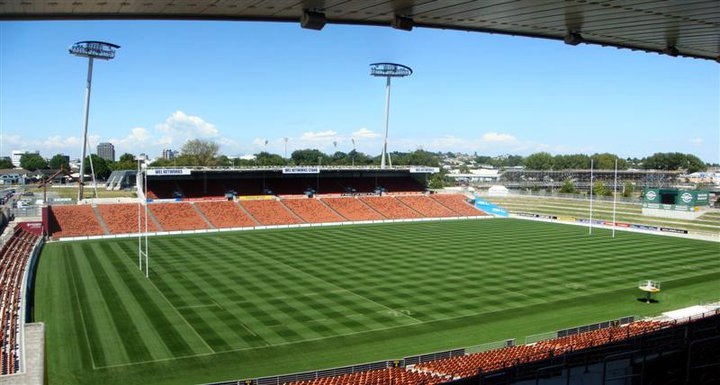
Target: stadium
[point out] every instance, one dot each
(310, 275)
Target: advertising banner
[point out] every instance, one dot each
(424, 170)
(301, 170)
(168, 171)
(490, 208)
(651, 196)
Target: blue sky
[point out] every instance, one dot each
(243, 83)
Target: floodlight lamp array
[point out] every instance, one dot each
(94, 49)
(390, 70)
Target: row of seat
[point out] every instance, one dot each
(74, 221)
(448, 369)
(388, 376)
(14, 257)
(490, 361)
(82, 220)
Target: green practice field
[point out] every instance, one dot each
(245, 304)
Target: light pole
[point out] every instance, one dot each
(286, 140)
(91, 50)
(354, 151)
(388, 71)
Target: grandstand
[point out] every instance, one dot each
(312, 210)
(122, 218)
(73, 221)
(14, 261)
(177, 216)
(390, 207)
(353, 209)
(209, 183)
(225, 214)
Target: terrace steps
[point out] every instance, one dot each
(243, 209)
(332, 209)
(201, 215)
(293, 213)
(100, 219)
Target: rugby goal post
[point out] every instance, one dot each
(141, 183)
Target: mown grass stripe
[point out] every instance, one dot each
(174, 341)
(125, 325)
(94, 333)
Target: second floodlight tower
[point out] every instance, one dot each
(91, 50)
(388, 71)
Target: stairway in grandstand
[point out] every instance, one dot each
(85, 220)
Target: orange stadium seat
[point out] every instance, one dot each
(270, 212)
(177, 216)
(224, 214)
(426, 206)
(123, 218)
(389, 376)
(74, 221)
(457, 203)
(390, 207)
(14, 257)
(312, 210)
(353, 209)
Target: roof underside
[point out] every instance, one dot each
(677, 27)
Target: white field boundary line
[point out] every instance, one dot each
(608, 227)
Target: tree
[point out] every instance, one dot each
(268, 159)
(224, 161)
(674, 161)
(568, 187)
(5, 163)
(628, 189)
(32, 162)
(437, 180)
(309, 157)
(539, 161)
(100, 165)
(599, 189)
(59, 161)
(199, 152)
(126, 162)
(606, 161)
(571, 162)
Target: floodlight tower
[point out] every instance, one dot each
(388, 70)
(91, 50)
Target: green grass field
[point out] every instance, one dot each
(245, 304)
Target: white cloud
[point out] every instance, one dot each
(495, 137)
(138, 136)
(697, 141)
(364, 133)
(180, 127)
(319, 135)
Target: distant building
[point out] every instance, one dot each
(17, 154)
(169, 154)
(106, 151)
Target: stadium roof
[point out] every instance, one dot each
(677, 28)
